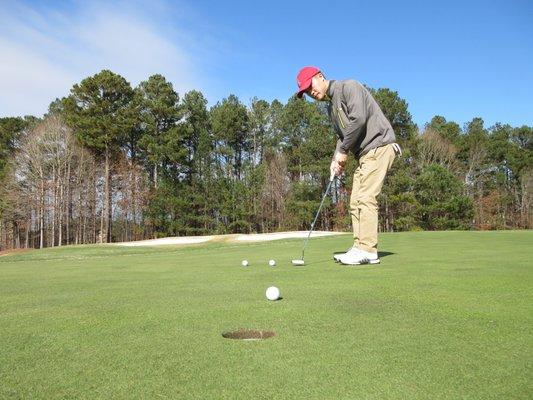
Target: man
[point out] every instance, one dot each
(363, 130)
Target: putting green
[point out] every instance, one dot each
(446, 315)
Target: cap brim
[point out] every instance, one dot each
(304, 88)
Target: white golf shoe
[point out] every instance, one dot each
(359, 257)
(351, 250)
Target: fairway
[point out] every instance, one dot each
(446, 315)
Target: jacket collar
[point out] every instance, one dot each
(331, 89)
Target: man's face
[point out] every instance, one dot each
(318, 87)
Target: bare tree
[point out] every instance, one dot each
(59, 145)
(435, 149)
(83, 194)
(29, 177)
(130, 197)
(274, 193)
(39, 180)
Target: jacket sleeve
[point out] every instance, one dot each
(354, 98)
(337, 149)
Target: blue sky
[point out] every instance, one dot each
(459, 59)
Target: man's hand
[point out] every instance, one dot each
(333, 169)
(341, 159)
(338, 163)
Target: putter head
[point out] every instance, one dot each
(298, 262)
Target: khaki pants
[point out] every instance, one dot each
(367, 183)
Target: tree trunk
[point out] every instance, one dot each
(69, 205)
(41, 216)
(104, 226)
(134, 200)
(16, 237)
(80, 229)
(60, 215)
(104, 202)
(526, 215)
(93, 188)
(109, 204)
(105, 231)
(28, 227)
(54, 205)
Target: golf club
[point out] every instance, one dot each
(301, 260)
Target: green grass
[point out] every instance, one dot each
(447, 315)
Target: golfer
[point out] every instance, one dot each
(362, 130)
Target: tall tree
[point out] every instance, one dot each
(196, 134)
(183, 202)
(159, 114)
(97, 109)
(396, 110)
(230, 124)
(308, 143)
(260, 125)
(12, 131)
(199, 177)
(442, 204)
(447, 129)
(521, 161)
(474, 155)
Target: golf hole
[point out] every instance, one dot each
(248, 334)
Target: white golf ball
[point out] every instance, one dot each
(245, 263)
(272, 263)
(272, 293)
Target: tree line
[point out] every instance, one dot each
(110, 163)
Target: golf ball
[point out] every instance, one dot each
(272, 293)
(272, 263)
(245, 263)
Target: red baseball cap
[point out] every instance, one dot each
(303, 79)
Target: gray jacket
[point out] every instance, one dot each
(358, 120)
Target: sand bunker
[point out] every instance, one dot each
(255, 237)
(259, 237)
(169, 240)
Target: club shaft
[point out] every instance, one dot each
(316, 217)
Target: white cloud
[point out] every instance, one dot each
(28, 81)
(45, 52)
